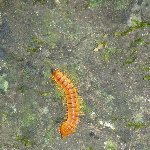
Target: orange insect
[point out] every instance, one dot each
(73, 107)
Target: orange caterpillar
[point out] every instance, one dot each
(73, 107)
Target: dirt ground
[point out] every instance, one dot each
(104, 47)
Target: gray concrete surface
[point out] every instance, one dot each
(104, 46)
